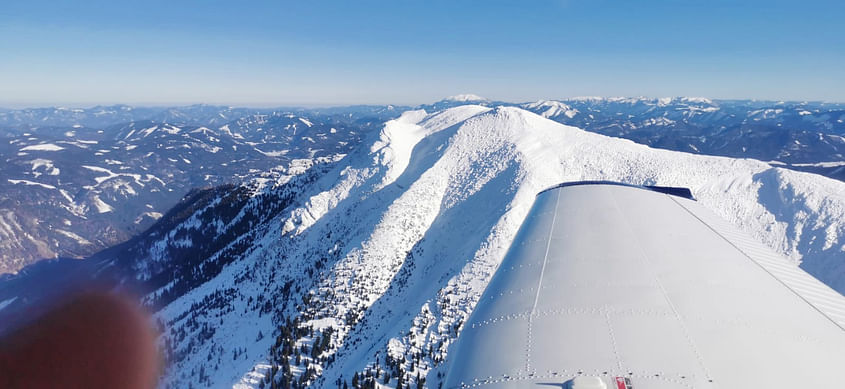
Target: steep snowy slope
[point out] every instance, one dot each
(373, 267)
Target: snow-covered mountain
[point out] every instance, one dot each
(551, 109)
(466, 98)
(73, 191)
(48, 207)
(799, 135)
(31, 119)
(365, 267)
(458, 100)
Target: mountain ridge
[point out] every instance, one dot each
(381, 228)
(376, 259)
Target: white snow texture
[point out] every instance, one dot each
(416, 224)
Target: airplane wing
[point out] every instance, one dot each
(620, 287)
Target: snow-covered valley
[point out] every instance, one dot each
(73, 191)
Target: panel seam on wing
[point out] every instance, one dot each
(539, 287)
(677, 315)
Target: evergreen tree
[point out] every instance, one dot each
(400, 382)
(315, 351)
(420, 381)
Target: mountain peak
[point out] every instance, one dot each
(465, 97)
(551, 108)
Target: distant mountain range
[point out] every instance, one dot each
(806, 136)
(75, 181)
(363, 253)
(70, 190)
(802, 135)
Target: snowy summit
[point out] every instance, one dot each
(467, 97)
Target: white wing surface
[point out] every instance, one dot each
(632, 288)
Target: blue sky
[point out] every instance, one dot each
(265, 53)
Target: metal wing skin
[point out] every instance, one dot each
(632, 288)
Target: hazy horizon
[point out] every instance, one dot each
(329, 105)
